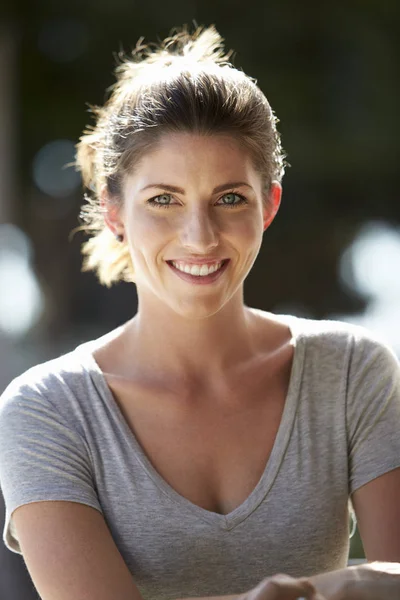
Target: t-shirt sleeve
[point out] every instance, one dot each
(372, 411)
(41, 457)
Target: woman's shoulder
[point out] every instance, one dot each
(53, 380)
(70, 368)
(43, 374)
(64, 391)
(325, 333)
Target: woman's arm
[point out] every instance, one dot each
(70, 553)
(377, 508)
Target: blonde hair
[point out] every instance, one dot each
(186, 84)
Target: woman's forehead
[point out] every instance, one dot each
(177, 150)
(188, 163)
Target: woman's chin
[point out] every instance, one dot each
(198, 310)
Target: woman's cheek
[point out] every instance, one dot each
(247, 228)
(144, 222)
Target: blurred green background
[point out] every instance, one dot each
(330, 71)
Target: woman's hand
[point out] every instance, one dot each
(372, 581)
(282, 587)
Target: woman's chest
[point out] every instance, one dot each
(297, 514)
(212, 453)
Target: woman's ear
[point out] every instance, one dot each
(111, 212)
(272, 203)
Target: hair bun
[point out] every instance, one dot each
(205, 45)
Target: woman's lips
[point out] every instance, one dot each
(198, 261)
(200, 279)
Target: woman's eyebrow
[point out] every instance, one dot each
(178, 190)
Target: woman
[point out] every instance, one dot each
(204, 446)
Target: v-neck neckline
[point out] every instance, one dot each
(254, 499)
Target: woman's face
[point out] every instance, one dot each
(194, 199)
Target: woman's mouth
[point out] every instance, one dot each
(199, 274)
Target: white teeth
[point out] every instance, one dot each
(198, 270)
(204, 270)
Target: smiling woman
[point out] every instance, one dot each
(186, 86)
(203, 447)
(202, 221)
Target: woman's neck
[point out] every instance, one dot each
(189, 349)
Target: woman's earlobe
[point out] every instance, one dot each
(273, 203)
(110, 213)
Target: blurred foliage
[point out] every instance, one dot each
(330, 72)
(356, 547)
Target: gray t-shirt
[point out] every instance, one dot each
(63, 437)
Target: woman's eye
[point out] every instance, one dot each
(233, 199)
(230, 200)
(161, 201)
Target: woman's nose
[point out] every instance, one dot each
(199, 232)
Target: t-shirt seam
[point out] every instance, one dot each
(383, 467)
(352, 345)
(378, 472)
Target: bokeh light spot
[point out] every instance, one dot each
(371, 265)
(63, 40)
(51, 172)
(21, 299)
